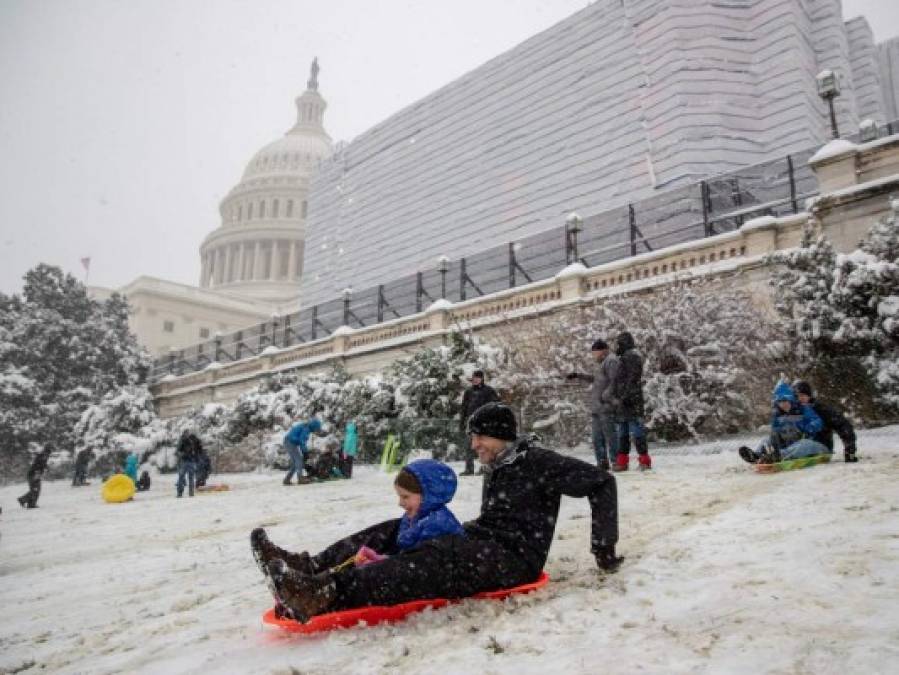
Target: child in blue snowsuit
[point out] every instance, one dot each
(131, 462)
(424, 488)
(295, 444)
(793, 427)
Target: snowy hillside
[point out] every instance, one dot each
(726, 572)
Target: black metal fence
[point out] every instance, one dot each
(712, 206)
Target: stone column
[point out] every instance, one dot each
(292, 261)
(241, 261)
(204, 264)
(274, 272)
(229, 273)
(257, 260)
(219, 265)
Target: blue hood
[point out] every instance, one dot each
(438, 483)
(314, 424)
(783, 392)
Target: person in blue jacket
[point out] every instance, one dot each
(350, 449)
(793, 429)
(295, 442)
(424, 488)
(131, 462)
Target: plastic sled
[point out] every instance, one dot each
(790, 464)
(118, 488)
(215, 487)
(371, 616)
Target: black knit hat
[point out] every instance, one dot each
(802, 387)
(599, 344)
(495, 420)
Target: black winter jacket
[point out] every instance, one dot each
(521, 497)
(834, 421)
(473, 398)
(189, 448)
(38, 465)
(628, 384)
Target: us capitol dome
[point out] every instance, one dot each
(257, 252)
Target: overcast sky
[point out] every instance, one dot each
(124, 122)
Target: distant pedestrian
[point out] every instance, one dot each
(295, 443)
(82, 462)
(604, 407)
(204, 467)
(131, 463)
(189, 450)
(477, 395)
(35, 473)
(350, 449)
(628, 389)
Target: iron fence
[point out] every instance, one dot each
(708, 207)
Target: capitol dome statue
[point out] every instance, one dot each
(257, 252)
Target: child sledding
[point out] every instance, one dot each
(505, 547)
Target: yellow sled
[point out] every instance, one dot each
(118, 488)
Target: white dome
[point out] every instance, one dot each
(295, 153)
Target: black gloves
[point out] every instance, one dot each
(571, 376)
(849, 454)
(606, 559)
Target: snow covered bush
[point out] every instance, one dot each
(708, 355)
(60, 352)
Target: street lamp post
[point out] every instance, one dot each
(347, 294)
(275, 318)
(573, 224)
(828, 89)
(443, 268)
(868, 131)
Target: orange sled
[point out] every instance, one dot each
(371, 616)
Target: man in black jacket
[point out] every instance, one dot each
(505, 546)
(35, 473)
(475, 396)
(628, 389)
(834, 421)
(189, 451)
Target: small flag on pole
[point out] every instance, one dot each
(86, 264)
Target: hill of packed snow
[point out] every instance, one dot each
(726, 572)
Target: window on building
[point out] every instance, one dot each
(168, 326)
(204, 333)
(289, 213)
(304, 208)
(276, 208)
(239, 213)
(250, 211)
(262, 209)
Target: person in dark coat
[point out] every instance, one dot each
(204, 467)
(627, 389)
(189, 451)
(793, 430)
(35, 473)
(833, 419)
(603, 406)
(478, 394)
(505, 546)
(82, 461)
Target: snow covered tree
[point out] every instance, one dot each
(60, 352)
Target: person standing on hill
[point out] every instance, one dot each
(295, 442)
(477, 395)
(189, 450)
(35, 473)
(627, 388)
(603, 406)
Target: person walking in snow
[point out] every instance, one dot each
(793, 430)
(204, 467)
(34, 476)
(833, 420)
(603, 406)
(478, 394)
(424, 488)
(189, 450)
(82, 461)
(350, 449)
(295, 442)
(627, 390)
(505, 546)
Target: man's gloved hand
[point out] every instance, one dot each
(606, 559)
(849, 454)
(571, 376)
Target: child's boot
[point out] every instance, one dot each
(748, 455)
(264, 551)
(303, 595)
(621, 462)
(645, 462)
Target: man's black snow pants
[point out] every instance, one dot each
(452, 566)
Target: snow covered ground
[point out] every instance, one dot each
(726, 572)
